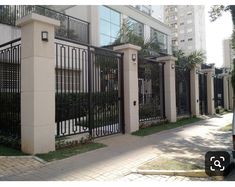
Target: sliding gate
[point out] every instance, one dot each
(203, 94)
(182, 87)
(89, 90)
(151, 90)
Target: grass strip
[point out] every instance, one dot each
(155, 128)
(69, 151)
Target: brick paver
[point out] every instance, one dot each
(17, 165)
(126, 152)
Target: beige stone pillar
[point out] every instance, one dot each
(210, 91)
(37, 84)
(131, 98)
(231, 95)
(194, 90)
(226, 93)
(169, 85)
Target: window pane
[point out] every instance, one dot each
(104, 27)
(104, 40)
(105, 13)
(114, 31)
(115, 17)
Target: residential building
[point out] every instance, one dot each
(228, 53)
(106, 21)
(158, 12)
(187, 23)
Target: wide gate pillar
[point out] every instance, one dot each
(169, 87)
(210, 90)
(226, 91)
(194, 90)
(130, 76)
(230, 88)
(37, 83)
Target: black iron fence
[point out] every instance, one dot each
(89, 91)
(10, 58)
(182, 85)
(70, 27)
(151, 90)
(203, 107)
(218, 88)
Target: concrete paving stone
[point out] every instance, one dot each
(126, 153)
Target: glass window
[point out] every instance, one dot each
(105, 27)
(109, 25)
(114, 30)
(104, 13)
(137, 27)
(115, 18)
(161, 39)
(104, 40)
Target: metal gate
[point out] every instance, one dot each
(10, 58)
(151, 90)
(218, 88)
(203, 94)
(182, 85)
(89, 90)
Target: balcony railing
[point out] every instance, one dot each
(70, 27)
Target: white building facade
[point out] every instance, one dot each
(188, 26)
(228, 53)
(106, 21)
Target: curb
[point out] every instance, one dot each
(26, 157)
(186, 173)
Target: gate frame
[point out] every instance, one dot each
(120, 101)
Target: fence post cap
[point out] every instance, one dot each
(166, 58)
(126, 46)
(36, 17)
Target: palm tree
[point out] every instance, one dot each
(196, 57)
(190, 60)
(126, 34)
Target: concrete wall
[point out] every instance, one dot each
(8, 33)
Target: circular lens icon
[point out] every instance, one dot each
(217, 163)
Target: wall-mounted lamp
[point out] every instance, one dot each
(44, 36)
(172, 66)
(133, 57)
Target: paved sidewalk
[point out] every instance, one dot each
(17, 165)
(126, 152)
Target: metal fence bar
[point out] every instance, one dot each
(151, 90)
(182, 82)
(75, 29)
(88, 91)
(10, 58)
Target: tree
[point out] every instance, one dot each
(126, 34)
(190, 60)
(215, 12)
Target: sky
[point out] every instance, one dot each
(216, 32)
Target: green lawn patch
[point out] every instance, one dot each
(165, 126)
(168, 164)
(226, 128)
(70, 151)
(7, 151)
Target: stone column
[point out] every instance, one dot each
(226, 93)
(37, 84)
(210, 91)
(231, 95)
(169, 85)
(131, 98)
(194, 90)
